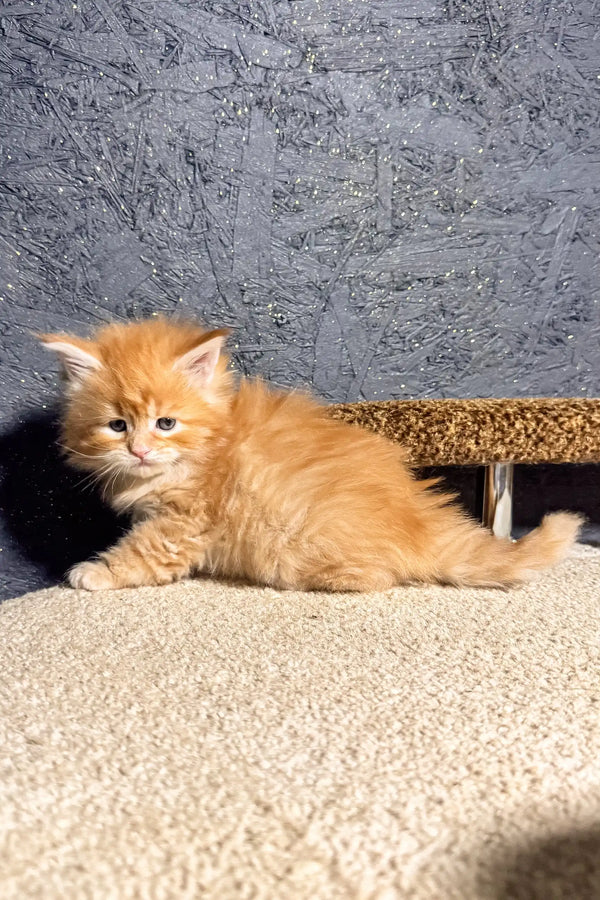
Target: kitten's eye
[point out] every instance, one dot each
(118, 424)
(165, 423)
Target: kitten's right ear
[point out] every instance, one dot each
(77, 361)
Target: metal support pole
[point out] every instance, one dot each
(497, 498)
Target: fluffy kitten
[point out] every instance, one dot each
(252, 482)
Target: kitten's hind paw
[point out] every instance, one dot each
(91, 576)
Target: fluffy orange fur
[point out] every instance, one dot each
(246, 481)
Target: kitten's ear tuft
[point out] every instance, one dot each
(77, 362)
(199, 364)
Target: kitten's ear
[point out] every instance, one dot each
(200, 363)
(77, 361)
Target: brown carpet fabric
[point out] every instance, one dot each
(477, 432)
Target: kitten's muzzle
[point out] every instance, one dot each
(141, 452)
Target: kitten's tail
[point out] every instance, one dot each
(475, 557)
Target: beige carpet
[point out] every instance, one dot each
(215, 741)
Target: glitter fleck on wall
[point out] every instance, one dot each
(382, 198)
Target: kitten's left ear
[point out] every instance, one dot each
(200, 363)
(74, 355)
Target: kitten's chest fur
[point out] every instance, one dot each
(147, 499)
(232, 502)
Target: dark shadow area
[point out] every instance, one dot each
(537, 490)
(562, 867)
(464, 481)
(549, 488)
(48, 522)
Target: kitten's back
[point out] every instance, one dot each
(316, 502)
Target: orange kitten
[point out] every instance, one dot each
(252, 482)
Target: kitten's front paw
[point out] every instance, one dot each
(91, 576)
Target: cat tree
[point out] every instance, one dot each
(491, 433)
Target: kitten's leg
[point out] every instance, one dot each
(348, 578)
(156, 551)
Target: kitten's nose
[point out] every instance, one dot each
(140, 452)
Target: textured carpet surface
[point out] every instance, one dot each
(481, 431)
(221, 741)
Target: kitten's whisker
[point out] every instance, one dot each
(102, 471)
(87, 455)
(92, 477)
(109, 486)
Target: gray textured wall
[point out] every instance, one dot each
(385, 198)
